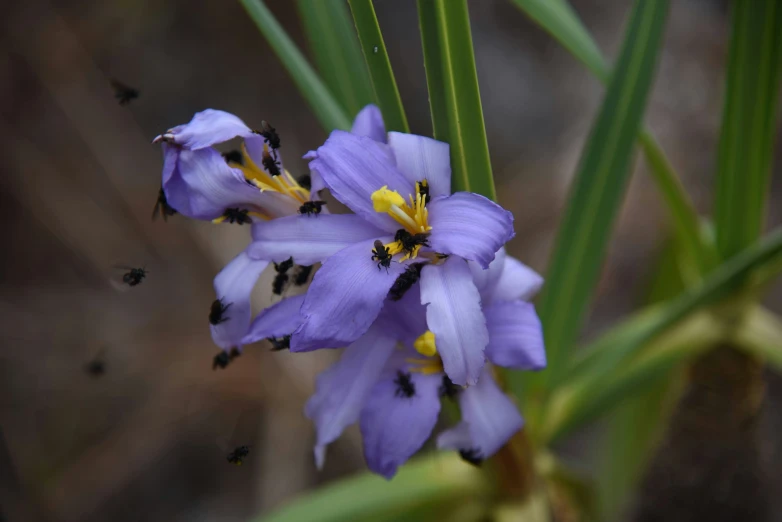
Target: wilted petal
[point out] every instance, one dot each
(394, 426)
(515, 336)
(354, 167)
(369, 123)
(278, 320)
(344, 298)
(469, 225)
(309, 239)
(419, 158)
(207, 128)
(489, 420)
(486, 279)
(342, 390)
(233, 286)
(453, 314)
(517, 281)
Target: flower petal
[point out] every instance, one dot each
(486, 279)
(207, 128)
(344, 298)
(393, 426)
(309, 239)
(453, 314)
(353, 167)
(489, 420)
(419, 158)
(515, 336)
(278, 320)
(517, 281)
(233, 286)
(369, 123)
(341, 391)
(469, 225)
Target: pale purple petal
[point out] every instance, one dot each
(309, 239)
(419, 158)
(515, 336)
(369, 123)
(489, 420)
(406, 318)
(233, 286)
(344, 298)
(469, 225)
(278, 320)
(486, 279)
(453, 314)
(517, 281)
(354, 167)
(342, 390)
(393, 426)
(207, 128)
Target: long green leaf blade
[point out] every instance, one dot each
(748, 124)
(334, 45)
(598, 187)
(454, 95)
(380, 72)
(326, 108)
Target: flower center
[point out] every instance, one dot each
(281, 182)
(413, 216)
(425, 345)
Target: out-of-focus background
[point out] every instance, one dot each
(148, 439)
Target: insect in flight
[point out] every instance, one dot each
(381, 254)
(97, 366)
(410, 241)
(311, 208)
(238, 455)
(405, 281)
(216, 312)
(127, 277)
(124, 93)
(281, 279)
(162, 207)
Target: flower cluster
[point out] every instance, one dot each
(415, 284)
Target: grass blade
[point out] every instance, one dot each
(326, 108)
(454, 96)
(380, 72)
(748, 124)
(333, 42)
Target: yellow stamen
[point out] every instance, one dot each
(284, 183)
(426, 366)
(219, 220)
(425, 344)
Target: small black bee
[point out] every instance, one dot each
(270, 135)
(96, 367)
(235, 215)
(270, 163)
(305, 181)
(423, 189)
(281, 279)
(311, 207)
(162, 207)
(471, 455)
(234, 156)
(303, 275)
(381, 254)
(448, 388)
(222, 359)
(123, 93)
(134, 276)
(280, 343)
(405, 387)
(405, 281)
(238, 455)
(216, 312)
(410, 241)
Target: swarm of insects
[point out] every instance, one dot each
(381, 254)
(311, 208)
(162, 207)
(216, 312)
(405, 281)
(123, 93)
(238, 455)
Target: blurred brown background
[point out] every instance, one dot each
(147, 440)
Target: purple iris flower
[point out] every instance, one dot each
(391, 379)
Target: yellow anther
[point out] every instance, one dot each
(284, 183)
(425, 344)
(384, 200)
(426, 366)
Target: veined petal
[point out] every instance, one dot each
(489, 420)
(344, 298)
(369, 123)
(353, 168)
(419, 158)
(233, 286)
(453, 314)
(342, 390)
(207, 128)
(278, 320)
(486, 279)
(309, 239)
(395, 426)
(517, 281)
(469, 225)
(515, 336)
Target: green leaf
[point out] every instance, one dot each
(748, 124)
(333, 42)
(422, 489)
(760, 333)
(383, 81)
(597, 190)
(454, 96)
(326, 108)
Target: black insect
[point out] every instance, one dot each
(311, 208)
(270, 163)
(134, 276)
(405, 281)
(302, 275)
(280, 343)
(123, 93)
(222, 359)
(410, 241)
(238, 216)
(238, 455)
(448, 388)
(305, 181)
(471, 455)
(405, 387)
(96, 367)
(281, 279)
(423, 189)
(216, 312)
(381, 254)
(162, 207)
(233, 156)
(270, 135)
